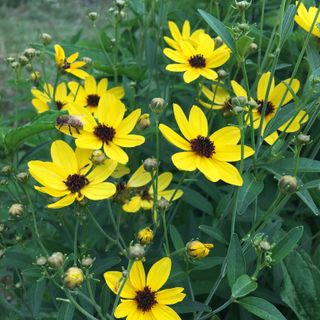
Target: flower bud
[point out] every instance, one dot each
(288, 184)
(6, 169)
(222, 74)
(2, 227)
(218, 42)
(46, 38)
(136, 252)
(198, 250)
(15, 65)
(87, 261)
(145, 236)
(88, 61)
(22, 176)
(265, 245)
(74, 277)
(16, 210)
(23, 60)
(150, 164)
(239, 101)
(56, 260)
(4, 182)
(120, 4)
(35, 76)
(10, 59)
(41, 261)
(144, 122)
(163, 204)
(244, 27)
(303, 139)
(30, 53)
(157, 105)
(93, 16)
(98, 157)
(253, 47)
(252, 104)
(243, 5)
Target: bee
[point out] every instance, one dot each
(72, 122)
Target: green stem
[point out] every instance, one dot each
(167, 247)
(297, 156)
(222, 307)
(75, 243)
(93, 301)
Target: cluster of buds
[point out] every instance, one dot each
(198, 250)
(16, 210)
(145, 236)
(262, 246)
(239, 104)
(288, 184)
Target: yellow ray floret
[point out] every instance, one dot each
(305, 19)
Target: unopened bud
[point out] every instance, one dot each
(23, 60)
(6, 169)
(15, 65)
(253, 105)
(157, 105)
(22, 176)
(73, 278)
(150, 164)
(198, 250)
(41, 261)
(4, 182)
(222, 74)
(93, 16)
(2, 227)
(120, 4)
(145, 236)
(87, 261)
(265, 245)
(30, 53)
(88, 61)
(16, 210)
(56, 260)
(244, 27)
(10, 59)
(46, 38)
(303, 139)
(253, 47)
(163, 204)
(239, 101)
(218, 42)
(243, 5)
(288, 184)
(136, 252)
(35, 76)
(98, 157)
(144, 121)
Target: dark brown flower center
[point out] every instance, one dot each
(93, 100)
(66, 65)
(197, 61)
(202, 146)
(145, 299)
(59, 105)
(75, 182)
(269, 109)
(145, 195)
(227, 107)
(104, 133)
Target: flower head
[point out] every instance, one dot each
(44, 100)
(141, 297)
(110, 130)
(89, 95)
(278, 94)
(145, 236)
(198, 250)
(208, 153)
(69, 64)
(198, 60)
(73, 277)
(304, 18)
(68, 175)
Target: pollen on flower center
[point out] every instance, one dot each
(202, 146)
(269, 109)
(197, 61)
(59, 105)
(93, 100)
(145, 299)
(75, 182)
(104, 133)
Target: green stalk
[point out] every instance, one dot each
(75, 243)
(165, 231)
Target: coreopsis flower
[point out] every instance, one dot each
(274, 98)
(110, 130)
(69, 64)
(46, 99)
(184, 35)
(198, 60)
(141, 297)
(69, 176)
(305, 18)
(73, 277)
(144, 196)
(198, 250)
(218, 98)
(145, 236)
(89, 95)
(210, 154)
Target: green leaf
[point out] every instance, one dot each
(305, 196)
(313, 56)
(214, 233)
(196, 200)
(249, 191)
(243, 44)
(261, 308)
(66, 311)
(176, 238)
(102, 265)
(219, 28)
(286, 244)
(42, 122)
(188, 306)
(287, 24)
(236, 265)
(301, 290)
(310, 185)
(243, 286)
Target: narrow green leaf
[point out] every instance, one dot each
(196, 200)
(219, 28)
(187, 306)
(236, 265)
(243, 286)
(66, 311)
(313, 56)
(305, 196)
(102, 265)
(261, 308)
(176, 238)
(286, 244)
(310, 185)
(214, 233)
(38, 296)
(287, 24)
(243, 44)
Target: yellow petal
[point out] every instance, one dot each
(78, 73)
(175, 67)
(164, 180)
(102, 86)
(228, 173)
(159, 274)
(227, 135)
(99, 191)
(161, 312)
(73, 57)
(208, 168)
(238, 89)
(128, 141)
(90, 85)
(128, 123)
(174, 138)
(272, 138)
(174, 55)
(59, 55)
(277, 94)
(219, 57)
(118, 92)
(124, 308)
(170, 296)
(231, 152)
(110, 110)
(39, 105)
(88, 141)
(295, 125)
(174, 30)
(64, 202)
(191, 75)
(102, 172)
(83, 158)
(52, 192)
(139, 178)
(170, 195)
(198, 121)
(137, 276)
(133, 205)
(114, 280)
(116, 153)
(208, 73)
(185, 161)
(263, 86)
(120, 171)
(183, 123)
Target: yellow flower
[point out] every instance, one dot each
(221, 96)
(43, 100)
(209, 154)
(276, 95)
(69, 64)
(145, 236)
(144, 195)
(305, 18)
(68, 175)
(198, 60)
(73, 277)
(109, 131)
(120, 171)
(89, 95)
(141, 297)
(198, 250)
(185, 35)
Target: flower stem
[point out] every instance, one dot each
(165, 231)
